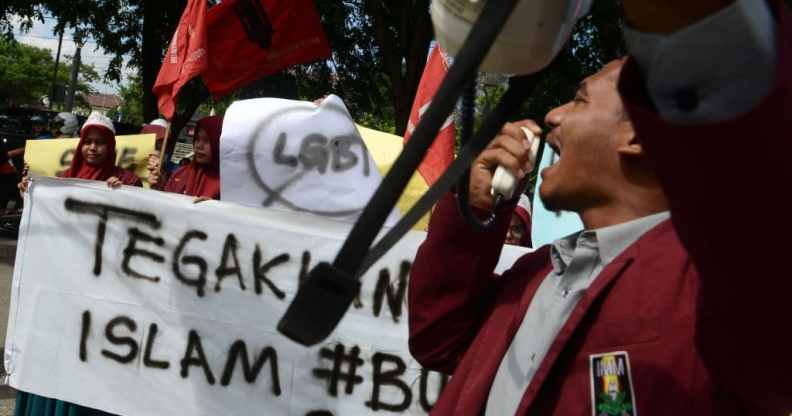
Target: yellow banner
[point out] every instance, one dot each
(384, 149)
(49, 157)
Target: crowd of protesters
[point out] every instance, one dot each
(636, 311)
(95, 156)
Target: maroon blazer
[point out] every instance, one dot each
(729, 186)
(463, 319)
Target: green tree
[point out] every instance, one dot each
(87, 75)
(596, 40)
(26, 74)
(131, 108)
(138, 30)
(379, 50)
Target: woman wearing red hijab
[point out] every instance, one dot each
(519, 233)
(201, 178)
(95, 156)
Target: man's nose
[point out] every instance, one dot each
(555, 117)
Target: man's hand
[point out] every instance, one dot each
(510, 149)
(669, 16)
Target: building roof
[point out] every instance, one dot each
(103, 101)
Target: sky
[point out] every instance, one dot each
(41, 35)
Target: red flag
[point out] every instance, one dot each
(441, 153)
(251, 39)
(185, 58)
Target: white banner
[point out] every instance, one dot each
(143, 303)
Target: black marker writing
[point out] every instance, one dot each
(200, 281)
(260, 272)
(317, 151)
(224, 270)
(305, 266)
(132, 250)
(126, 158)
(86, 329)
(424, 387)
(238, 352)
(194, 346)
(389, 378)
(104, 212)
(343, 157)
(385, 290)
(66, 158)
(335, 375)
(314, 153)
(147, 360)
(121, 340)
(278, 155)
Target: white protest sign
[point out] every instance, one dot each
(296, 155)
(139, 302)
(180, 151)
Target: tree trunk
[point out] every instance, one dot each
(74, 77)
(403, 55)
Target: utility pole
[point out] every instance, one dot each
(55, 72)
(75, 73)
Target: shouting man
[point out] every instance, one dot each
(619, 319)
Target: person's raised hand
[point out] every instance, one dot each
(153, 178)
(153, 167)
(510, 149)
(114, 183)
(153, 161)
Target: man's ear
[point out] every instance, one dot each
(630, 143)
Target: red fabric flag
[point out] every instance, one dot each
(441, 153)
(251, 39)
(185, 58)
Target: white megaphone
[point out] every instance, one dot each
(532, 37)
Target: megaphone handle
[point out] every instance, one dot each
(503, 181)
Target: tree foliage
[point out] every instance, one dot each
(25, 10)
(379, 48)
(379, 51)
(131, 108)
(26, 74)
